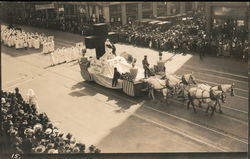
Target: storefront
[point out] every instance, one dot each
(132, 12)
(115, 14)
(229, 26)
(147, 10)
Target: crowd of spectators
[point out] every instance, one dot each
(187, 35)
(28, 131)
(80, 25)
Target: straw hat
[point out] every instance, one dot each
(48, 131)
(40, 149)
(51, 151)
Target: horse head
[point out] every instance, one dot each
(192, 79)
(227, 87)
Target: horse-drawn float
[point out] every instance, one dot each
(107, 68)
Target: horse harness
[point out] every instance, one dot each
(202, 98)
(220, 88)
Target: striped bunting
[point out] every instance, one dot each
(128, 88)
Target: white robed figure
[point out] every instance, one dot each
(62, 55)
(31, 98)
(108, 51)
(30, 42)
(36, 43)
(9, 41)
(55, 53)
(72, 53)
(67, 54)
(52, 59)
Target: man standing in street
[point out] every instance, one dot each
(145, 66)
(161, 64)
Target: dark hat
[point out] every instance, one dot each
(97, 151)
(67, 146)
(69, 136)
(62, 143)
(50, 146)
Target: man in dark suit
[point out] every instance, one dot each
(116, 76)
(145, 66)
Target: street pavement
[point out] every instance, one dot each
(115, 122)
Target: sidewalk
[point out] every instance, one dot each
(222, 64)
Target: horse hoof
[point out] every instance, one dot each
(221, 112)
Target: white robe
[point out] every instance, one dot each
(52, 59)
(36, 44)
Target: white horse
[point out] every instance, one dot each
(223, 87)
(204, 96)
(177, 84)
(157, 85)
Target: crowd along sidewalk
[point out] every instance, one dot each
(220, 64)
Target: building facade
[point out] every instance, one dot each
(235, 13)
(112, 12)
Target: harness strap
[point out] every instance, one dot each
(202, 98)
(220, 88)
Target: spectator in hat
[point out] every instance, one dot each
(32, 98)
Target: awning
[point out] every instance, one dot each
(164, 22)
(154, 22)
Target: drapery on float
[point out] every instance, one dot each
(100, 68)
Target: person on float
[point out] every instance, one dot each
(108, 51)
(145, 66)
(116, 76)
(133, 70)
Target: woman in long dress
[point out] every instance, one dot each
(31, 98)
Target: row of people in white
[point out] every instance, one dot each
(20, 39)
(65, 55)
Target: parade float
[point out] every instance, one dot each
(100, 61)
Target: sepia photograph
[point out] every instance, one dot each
(146, 78)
